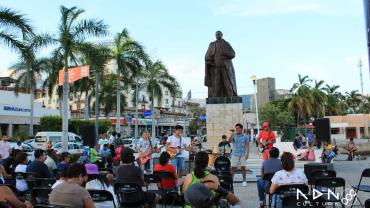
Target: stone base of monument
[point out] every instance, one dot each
(222, 115)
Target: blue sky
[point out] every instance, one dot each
(277, 38)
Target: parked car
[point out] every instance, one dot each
(73, 147)
(42, 138)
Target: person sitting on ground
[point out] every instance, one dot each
(9, 199)
(106, 156)
(71, 193)
(297, 143)
(98, 182)
(270, 166)
(64, 161)
(165, 166)
(22, 160)
(327, 154)
(288, 174)
(51, 160)
(200, 175)
(129, 173)
(63, 177)
(351, 148)
(38, 166)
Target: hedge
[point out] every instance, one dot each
(54, 123)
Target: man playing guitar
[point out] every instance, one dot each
(176, 147)
(266, 140)
(145, 151)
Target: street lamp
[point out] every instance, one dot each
(254, 79)
(184, 106)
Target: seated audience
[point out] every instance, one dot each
(4, 175)
(106, 156)
(71, 193)
(297, 143)
(288, 174)
(10, 163)
(129, 173)
(98, 182)
(351, 148)
(165, 166)
(38, 166)
(200, 175)
(9, 199)
(64, 161)
(327, 154)
(272, 165)
(22, 159)
(51, 160)
(62, 178)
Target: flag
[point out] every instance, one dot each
(74, 74)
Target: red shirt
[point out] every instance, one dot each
(167, 183)
(266, 136)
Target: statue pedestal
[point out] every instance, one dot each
(222, 115)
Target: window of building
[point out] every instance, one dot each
(179, 103)
(166, 92)
(166, 101)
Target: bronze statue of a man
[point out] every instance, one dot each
(220, 75)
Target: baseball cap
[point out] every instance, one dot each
(91, 169)
(198, 195)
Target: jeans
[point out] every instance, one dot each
(107, 160)
(178, 163)
(262, 187)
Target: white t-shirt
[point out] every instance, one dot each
(111, 139)
(4, 149)
(57, 183)
(283, 177)
(21, 185)
(175, 142)
(95, 184)
(102, 142)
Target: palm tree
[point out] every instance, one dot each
(333, 100)
(157, 78)
(366, 105)
(13, 24)
(128, 54)
(353, 100)
(319, 99)
(71, 35)
(301, 102)
(28, 70)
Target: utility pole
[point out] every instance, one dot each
(361, 76)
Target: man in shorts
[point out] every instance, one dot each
(240, 153)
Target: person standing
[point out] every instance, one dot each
(240, 153)
(145, 150)
(106, 156)
(266, 140)
(4, 147)
(103, 140)
(176, 146)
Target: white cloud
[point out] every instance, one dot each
(283, 7)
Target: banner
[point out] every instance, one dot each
(74, 74)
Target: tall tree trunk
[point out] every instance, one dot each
(86, 107)
(118, 105)
(65, 107)
(136, 109)
(97, 107)
(32, 88)
(153, 116)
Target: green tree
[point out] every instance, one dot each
(71, 37)
(318, 99)
(353, 100)
(157, 78)
(332, 106)
(128, 54)
(13, 26)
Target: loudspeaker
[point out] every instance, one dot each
(310, 167)
(88, 135)
(322, 129)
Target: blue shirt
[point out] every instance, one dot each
(62, 166)
(39, 168)
(239, 144)
(309, 138)
(105, 152)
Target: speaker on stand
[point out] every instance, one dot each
(322, 129)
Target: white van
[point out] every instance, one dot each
(43, 137)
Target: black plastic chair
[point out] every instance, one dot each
(367, 203)
(31, 180)
(284, 191)
(320, 174)
(365, 188)
(40, 195)
(151, 178)
(226, 180)
(170, 194)
(101, 196)
(325, 184)
(293, 202)
(268, 177)
(222, 163)
(129, 194)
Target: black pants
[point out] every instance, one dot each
(107, 160)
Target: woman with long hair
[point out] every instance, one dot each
(165, 166)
